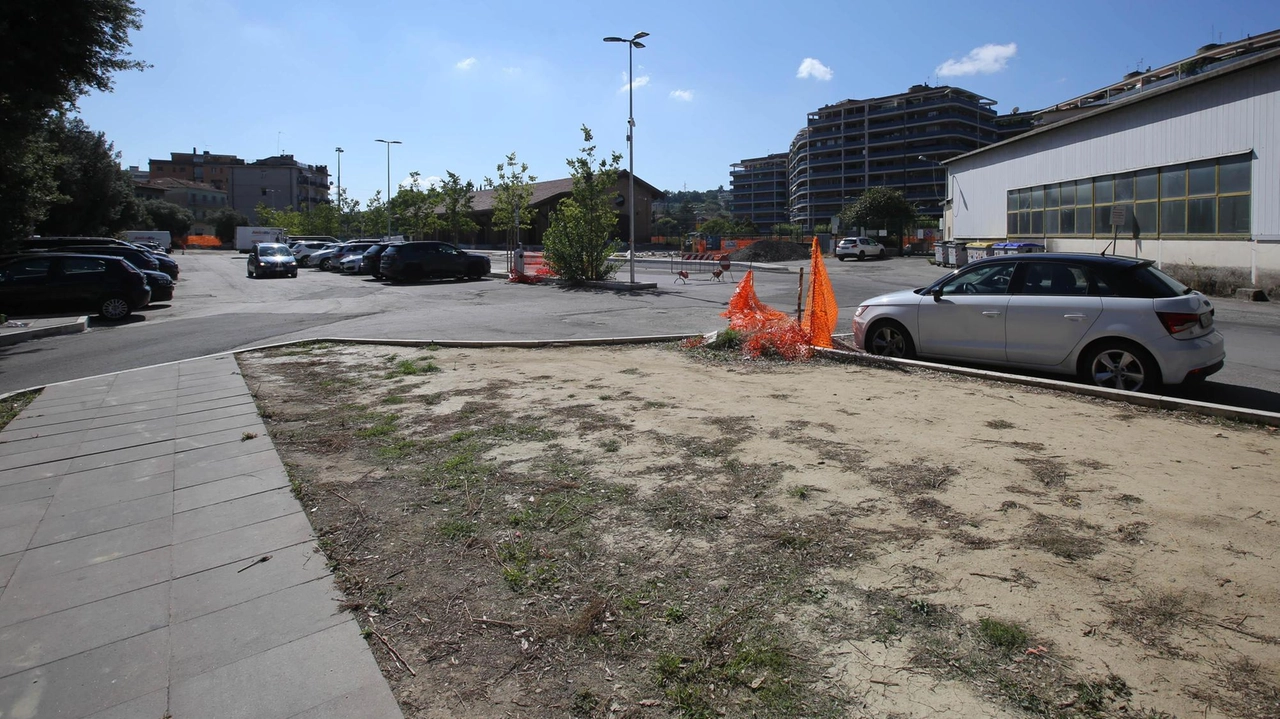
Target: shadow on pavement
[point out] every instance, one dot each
(1235, 396)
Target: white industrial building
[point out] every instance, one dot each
(1189, 152)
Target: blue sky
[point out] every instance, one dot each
(462, 84)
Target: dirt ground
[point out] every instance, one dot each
(651, 531)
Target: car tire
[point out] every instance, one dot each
(1120, 364)
(293, 274)
(324, 265)
(841, 258)
(888, 338)
(862, 255)
(302, 261)
(114, 308)
(881, 254)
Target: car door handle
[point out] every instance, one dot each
(1075, 317)
(991, 313)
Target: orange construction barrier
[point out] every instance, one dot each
(208, 241)
(768, 331)
(821, 311)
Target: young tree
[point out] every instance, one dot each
(54, 52)
(288, 218)
(511, 196)
(175, 219)
(878, 207)
(717, 227)
(456, 199)
(415, 206)
(666, 226)
(373, 221)
(580, 240)
(225, 222)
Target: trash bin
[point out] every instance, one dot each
(940, 252)
(1000, 248)
(978, 250)
(1018, 248)
(957, 253)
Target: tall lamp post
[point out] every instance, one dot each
(387, 203)
(634, 42)
(339, 151)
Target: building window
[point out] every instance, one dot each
(1205, 198)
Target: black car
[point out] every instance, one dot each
(413, 261)
(56, 243)
(372, 262)
(138, 258)
(167, 265)
(271, 258)
(161, 285)
(49, 282)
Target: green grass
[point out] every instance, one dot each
(11, 407)
(1004, 636)
(456, 529)
(383, 425)
(611, 445)
(411, 367)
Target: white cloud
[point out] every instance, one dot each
(814, 69)
(684, 95)
(466, 64)
(980, 61)
(423, 182)
(640, 82)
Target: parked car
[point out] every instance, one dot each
(168, 266)
(138, 258)
(56, 282)
(413, 261)
(1112, 321)
(161, 285)
(53, 243)
(303, 251)
(369, 263)
(351, 264)
(859, 247)
(271, 258)
(330, 261)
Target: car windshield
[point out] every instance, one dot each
(273, 251)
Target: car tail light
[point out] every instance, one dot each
(1176, 322)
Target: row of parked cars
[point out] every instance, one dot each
(394, 261)
(110, 277)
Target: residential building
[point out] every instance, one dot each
(201, 199)
(278, 182)
(145, 190)
(210, 169)
(895, 141)
(758, 190)
(137, 174)
(1184, 159)
(548, 194)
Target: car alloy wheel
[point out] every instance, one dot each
(114, 308)
(889, 340)
(324, 264)
(862, 255)
(1122, 366)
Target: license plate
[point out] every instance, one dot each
(1206, 319)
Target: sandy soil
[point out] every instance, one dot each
(879, 526)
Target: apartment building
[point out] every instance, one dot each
(897, 141)
(758, 190)
(203, 167)
(279, 182)
(200, 198)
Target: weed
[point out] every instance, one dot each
(393, 399)
(456, 529)
(674, 615)
(725, 340)
(1133, 532)
(1153, 617)
(397, 450)
(584, 704)
(1000, 424)
(1052, 536)
(383, 425)
(799, 491)
(611, 445)
(1005, 636)
(411, 367)
(653, 404)
(1049, 472)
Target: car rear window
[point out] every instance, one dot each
(83, 265)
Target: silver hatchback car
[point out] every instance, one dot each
(1112, 321)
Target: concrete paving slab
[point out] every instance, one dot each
(91, 682)
(38, 471)
(242, 545)
(370, 700)
(226, 586)
(42, 441)
(154, 704)
(243, 422)
(225, 490)
(116, 457)
(212, 470)
(95, 549)
(60, 525)
(8, 563)
(203, 455)
(121, 472)
(15, 538)
(240, 409)
(87, 495)
(12, 433)
(232, 514)
(184, 446)
(57, 636)
(29, 599)
(30, 489)
(282, 682)
(22, 512)
(33, 457)
(135, 435)
(189, 387)
(243, 630)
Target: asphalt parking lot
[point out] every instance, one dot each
(216, 308)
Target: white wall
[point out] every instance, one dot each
(1231, 114)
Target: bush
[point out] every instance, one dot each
(772, 251)
(1223, 281)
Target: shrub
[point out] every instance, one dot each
(1222, 281)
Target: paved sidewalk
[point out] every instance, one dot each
(132, 510)
(22, 330)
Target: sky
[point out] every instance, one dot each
(463, 84)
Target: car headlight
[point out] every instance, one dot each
(859, 312)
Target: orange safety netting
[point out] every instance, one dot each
(821, 312)
(766, 330)
(202, 241)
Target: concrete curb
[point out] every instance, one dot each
(1240, 414)
(599, 285)
(66, 328)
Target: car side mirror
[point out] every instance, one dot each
(937, 293)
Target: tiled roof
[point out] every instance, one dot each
(550, 190)
(170, 183)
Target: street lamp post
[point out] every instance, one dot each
(339, 151)
(634, 42)
(387, 203)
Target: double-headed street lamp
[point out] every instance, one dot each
(387, 203)
(634, 42)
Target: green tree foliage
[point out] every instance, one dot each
(717, 227)
(288, 218)
(511, 195)
(415, 208)
(175, 219)
(456, 200)
(225, 222)
(579, 242)
(666, 226)
(878, 207)
(54, 52)
(95, 197)
(373, 221)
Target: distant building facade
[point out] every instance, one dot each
(214, 170)
(758, 191)
(201, 199)
(279, 182)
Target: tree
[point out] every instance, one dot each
(666, 226)
(225, 222)
(878, 207)
(511, 195)
(456, 199)
(288, 218)
(580, 240)
(54, 52)
(416, 208)
(175, 219)
(373, 221)
(717, 227)
(745, 226)
(95, 197)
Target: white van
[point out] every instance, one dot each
(160, 237)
